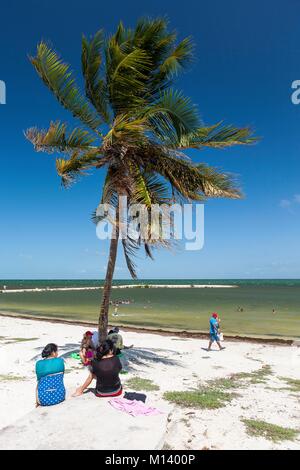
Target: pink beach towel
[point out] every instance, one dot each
(133, 407)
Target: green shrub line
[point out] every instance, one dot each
(215, 393)
(139, 384)
(269, 431)
(204, 398)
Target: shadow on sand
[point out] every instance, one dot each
(129, 358)
(67, 349)
(146, 357)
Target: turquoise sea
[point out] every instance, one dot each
(255, 307)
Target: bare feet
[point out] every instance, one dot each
(77, 393)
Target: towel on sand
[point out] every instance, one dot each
(135, 396)
(133, 407)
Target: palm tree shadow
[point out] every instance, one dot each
(67, 350)
(129, 358)
(146, 357)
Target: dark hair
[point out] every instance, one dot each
(87, 342)
(49, 349)
(115, 329)
(104, 349)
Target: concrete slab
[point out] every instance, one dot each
(88, 423)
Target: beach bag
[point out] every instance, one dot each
(221, 337)
(51, 389)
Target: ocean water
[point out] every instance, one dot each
(42, 283)
(181, 308)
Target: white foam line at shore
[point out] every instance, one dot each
(129, 286)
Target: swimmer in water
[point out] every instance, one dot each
(115, 314)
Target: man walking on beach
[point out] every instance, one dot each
(214, 326)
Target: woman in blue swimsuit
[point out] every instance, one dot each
(50, 376)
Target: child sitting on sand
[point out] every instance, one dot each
(87, 349)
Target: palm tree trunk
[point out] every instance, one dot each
(103, 317)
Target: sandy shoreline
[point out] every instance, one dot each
(125, 286)
(198, 334)
(174, 364)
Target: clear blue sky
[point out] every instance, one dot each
(247, 55)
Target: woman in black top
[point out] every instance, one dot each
(105, 368)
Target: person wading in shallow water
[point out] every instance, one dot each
(214, 325)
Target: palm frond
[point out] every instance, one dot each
(56, 139)
(180, 57)
(148, 188)
(109, 197)
(109, 193)
(126, 73)
(216, 183)
(116, 182)
(77, 165)
(192, 182)
(148, 31)
(172, 117)
(167, 57)
(148, 251)
(121, 35)
(127, 129)
(59, 79)
(130, 248)
(218, 136)
(95, 86)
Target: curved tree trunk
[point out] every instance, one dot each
(103, 317)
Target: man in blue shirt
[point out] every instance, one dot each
(214, 331)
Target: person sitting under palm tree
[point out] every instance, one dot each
(117, 339)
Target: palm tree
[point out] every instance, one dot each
(134, 125)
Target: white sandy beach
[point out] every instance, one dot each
(174, 364)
